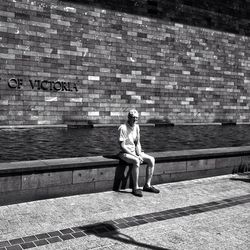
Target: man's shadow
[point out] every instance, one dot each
(241, 178)
(108, 230)
(123, 174)
(242, 172)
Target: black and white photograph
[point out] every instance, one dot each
(125, 124)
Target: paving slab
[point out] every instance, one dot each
(209, 213)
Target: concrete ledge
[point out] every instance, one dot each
(100, 125)
(32, 180)
(32, 126)
(198, 124)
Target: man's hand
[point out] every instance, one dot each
(140, 158)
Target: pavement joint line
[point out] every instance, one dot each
(107, 227)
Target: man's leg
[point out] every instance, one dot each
(150, 161)
(130, 159)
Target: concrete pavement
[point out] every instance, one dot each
(209, 213)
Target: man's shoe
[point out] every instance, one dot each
(151, 189)
(137, 192)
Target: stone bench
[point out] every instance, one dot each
(42, 179)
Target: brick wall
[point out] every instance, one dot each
(177, 61)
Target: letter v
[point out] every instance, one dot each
(31, 84)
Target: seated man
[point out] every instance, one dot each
(129, 139)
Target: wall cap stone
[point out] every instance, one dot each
(32, 126)
(50, 165)
(99, 125)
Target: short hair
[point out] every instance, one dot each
(133, 113)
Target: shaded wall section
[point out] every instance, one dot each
(175, 61)
(223, 15)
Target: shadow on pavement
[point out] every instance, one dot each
(244, 179)
(106, 230)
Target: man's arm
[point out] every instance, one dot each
(138, 148)
(138, 151)
(138, 143)
(126, 150)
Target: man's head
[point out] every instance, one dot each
(132, 117)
